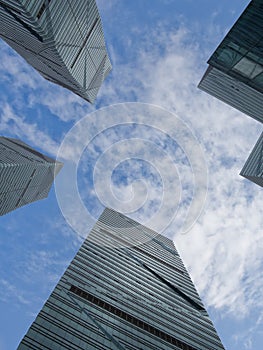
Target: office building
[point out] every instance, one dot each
(235, 75)
(253, 168)
(126, 288)
(63, 40)
(235, 72)
(25, 174)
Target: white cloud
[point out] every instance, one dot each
(218, 250)
(224, 249)
(30, 89)
(17, 126)
(11, 291)
(16, 71)
(167, 72)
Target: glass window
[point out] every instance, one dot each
(248, 68)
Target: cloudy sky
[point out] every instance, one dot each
(152, 146)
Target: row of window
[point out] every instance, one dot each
(177, 290)
(125, 282)
(135, 321)
(202, 326)
(42, 9)
(85, 41)
(180, 280)
(143, 251)
(20, 19)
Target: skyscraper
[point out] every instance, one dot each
(235, 72)
(235, 75)
(25, 174)
(126, 288)
(63, 40)
(253, 168)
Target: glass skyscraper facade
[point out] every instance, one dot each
(235, 72)
(126, 288)
(253, 168)
(25, 174)
(63, 40)
(235, 76)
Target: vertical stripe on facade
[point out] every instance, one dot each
(107, 299)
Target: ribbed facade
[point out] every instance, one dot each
(25, 174)
(63, 40)
(235, 73)
(126, 288)
(253, 168)
(233, 92)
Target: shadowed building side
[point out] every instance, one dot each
(235, 75)
(253, 168)
(235, 72)
(233, 92)
(126, 289)
(25, 174)
(63, 40)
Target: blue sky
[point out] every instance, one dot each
(140, 160)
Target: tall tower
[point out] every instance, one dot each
(235, 76)
(63, 40)
(25, 174)
(253, 168)
(126, 288)
(235, 72)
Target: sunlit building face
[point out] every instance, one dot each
(62, 40)
(126, 288)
